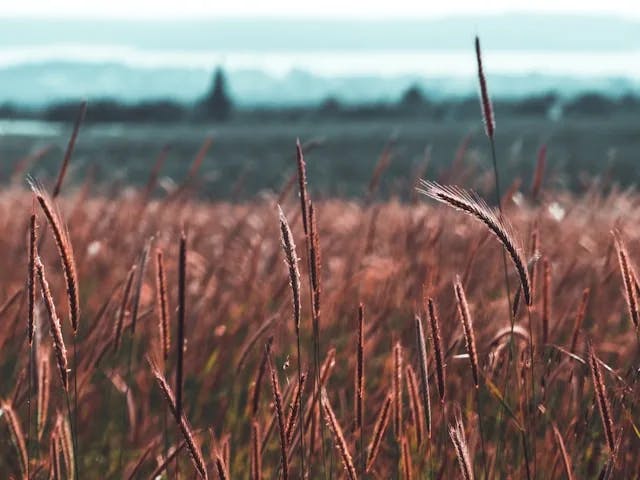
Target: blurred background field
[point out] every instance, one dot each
(254, 81)
(251, 154)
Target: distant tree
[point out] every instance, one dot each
(413, 97)
(539, 105)
(330, 105)
(216, 104)
(591, 104)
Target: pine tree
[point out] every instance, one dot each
(216, 105)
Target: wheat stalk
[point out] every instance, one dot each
(286, 396)
(314, 254)
(31, 293)
(289, 248)
(601, 398)
(415, 405)
(167, 460)
(65, 250)
(471, 204)
(467, 326)
(291, 258)
(221, 468)
(546, 300)
(424, 373)
(70, 146)
(406, 459)
(533, 268)
(536, 183)
(563, 452)
(181, 420)
(66, 445)
(627, 279)
(17, 436)
(359, 390)
(44, 373)
(378, 431)
(359, 385)
(244, 353)
(256, 457)
(162, 305)
(54, 322)
(135, 300)
(55, 470)
(487, 109)
(580, 314)
(277, 397)
(397, 390)
(437, 347)
(338, 436)
(182, 290)
(456, 432)
(325, 371)
(294, 407)
(31, 279)
(255, 402)
(122, 312)
(302, 186)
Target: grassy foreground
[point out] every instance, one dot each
(391, 258)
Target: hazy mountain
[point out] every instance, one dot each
(42, 83)
(51, 60)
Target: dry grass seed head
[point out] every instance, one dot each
(338, 436)
(378, 431)
(65, 250)
(17, 437)
(601, 398)
(471, 204)
(424, 373)
(458, 437)
(467, 326)
(434, 322)
(55, 328)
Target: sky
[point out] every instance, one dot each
(333, 9)
(60, 49)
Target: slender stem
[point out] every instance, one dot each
(316, 361)
(532, 401)
(182, 289)
(444, 435)
(74, 425)
(73, 436)
(511, 317)
(165, 423)
(481, 431)
(526, 454)
(363, 456)
(316, 349)
(504, 253)
(301, 406)
(29, 406)
(126, 394)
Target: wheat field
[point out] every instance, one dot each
(149, 335)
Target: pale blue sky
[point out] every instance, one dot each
(170, 9)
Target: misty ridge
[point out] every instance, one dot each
(293, 64)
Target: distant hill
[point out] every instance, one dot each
(42, 83)
(293, 62)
